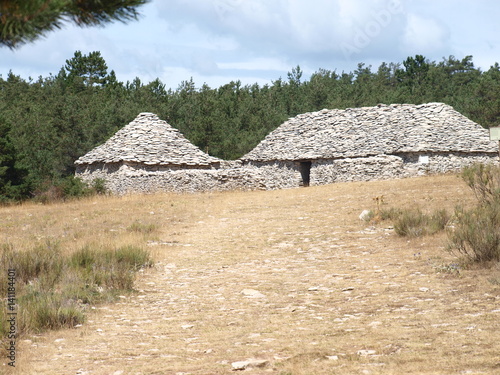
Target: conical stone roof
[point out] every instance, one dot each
(150, 141)
(367, 131)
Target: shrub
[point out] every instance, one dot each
(438, 221)
(390, 213)
(67, 188)
(414, 223)
(133, 257)
(476, 232)
(484, 180)
(99, 186)
(74, 187)
(409, 224)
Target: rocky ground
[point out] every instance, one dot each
(291, 282)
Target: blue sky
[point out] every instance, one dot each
(216, 41)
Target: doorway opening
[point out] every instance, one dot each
(305, 172)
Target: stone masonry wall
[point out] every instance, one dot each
(383, 167)
(122, 178)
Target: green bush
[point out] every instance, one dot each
(68, 188)
(410, 223)
(99, 186)
(438, 221)
(390, 213)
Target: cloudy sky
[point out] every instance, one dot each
(216, 41)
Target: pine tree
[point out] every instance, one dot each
(24, 21)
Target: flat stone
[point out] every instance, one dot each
(252, 293)
(248, 364)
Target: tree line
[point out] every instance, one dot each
(47, 123)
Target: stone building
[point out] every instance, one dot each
(359, 144)
(356, 144)
(148, 155)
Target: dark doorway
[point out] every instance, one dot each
(305, 172)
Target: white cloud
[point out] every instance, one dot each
(261, 63)
(218, 41)
(425, 35)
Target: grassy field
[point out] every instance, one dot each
(292, 278)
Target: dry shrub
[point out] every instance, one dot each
(476, 233)
(414, 223)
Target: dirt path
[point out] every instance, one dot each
(295, 279)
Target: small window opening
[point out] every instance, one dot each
(305, 172)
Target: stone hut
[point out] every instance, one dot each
(355, 144)
(368, 143)
(148, 155)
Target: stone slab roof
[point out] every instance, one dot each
(367, 131)
(151, 141)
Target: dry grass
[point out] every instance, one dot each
(340, 297)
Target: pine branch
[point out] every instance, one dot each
(24, 21)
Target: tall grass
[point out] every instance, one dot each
(109, 268)
(54, 290)
(415, 223)
(139, 227)
(43, 263)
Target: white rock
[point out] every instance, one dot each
(252, 293)
(365, 215)
(249, 363)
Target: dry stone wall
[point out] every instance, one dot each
(356, 144)
(384, 167)
(122, 178)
